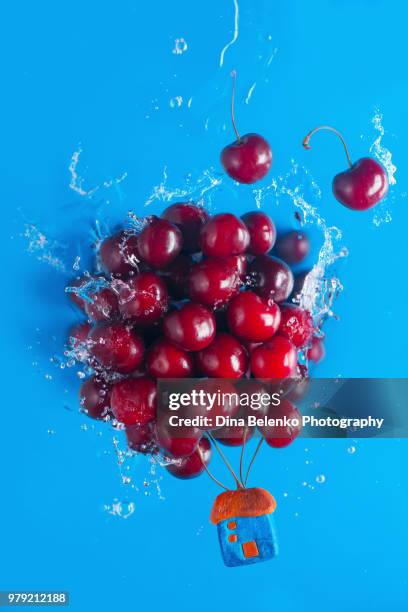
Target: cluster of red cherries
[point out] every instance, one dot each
(190, 296)
(193, 295)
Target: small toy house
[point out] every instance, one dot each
(245, 529)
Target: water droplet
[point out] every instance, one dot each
(351, 450)
(176, 102)
(321, 478)
(180, 46)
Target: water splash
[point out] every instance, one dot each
(122, 509)
(250, 92)
(45, 250)
(380, 152)
(194, 189)
(77, 182)
(320, 287)
(235, 35)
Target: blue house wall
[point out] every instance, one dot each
(236, 535)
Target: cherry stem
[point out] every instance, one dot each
(239, 484)
(234, 83)
(251, 463)
(241, 461)
(209, 473)
(327, 127)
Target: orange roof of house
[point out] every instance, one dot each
(241, 503)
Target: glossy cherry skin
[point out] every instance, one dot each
(166, 360)
(141, 438)
(234, 435)
(277, 358)
(271, 277)
(192, 327)
(179, 441)
(104, 305)
(116, 347)
(224, 235)
(279, 436)
(94, 397)
(252, 318)
(316, 351)
(224, 358)
(177, 275)
(361, 186)
(118, 253)
(262, 232)
(213, 282)
(134, 401)
(238, 263)
(189, 218)
(192, 466)
(159, 243)
(296, 324)
(292, 247)
(143, 299)
(248, 159)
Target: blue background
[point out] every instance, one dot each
(102, 74)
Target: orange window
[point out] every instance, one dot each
(232, 525)
(250, 549)
(232, 537)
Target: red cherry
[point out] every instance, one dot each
(316, 350)
(159, 243)
(279, 436)
(177, 276)
(248, 159)
(274, 359)
(224, 235)
(104, 305)
(234, 435)
(238, 263)
(165, 360)
(189, 218)
(143, 298)
(95, 398)
(363, 185)
(299, 282)
(262, 232)
(192, 327)
(224, 358)
(78, 336)
(116, 347)
(179, 441)
(141, 438)
(118, 253)
(252, 318)
(272, 278)
(213, 282)
(292, 247)
(296, 324)
(133, 401)
(192, 466)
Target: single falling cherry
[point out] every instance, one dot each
(249, 158)
(363, 184)
(194, 464)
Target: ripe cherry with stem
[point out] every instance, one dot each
(249, 158)
(363, 184)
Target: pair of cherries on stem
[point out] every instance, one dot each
(249, 158)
